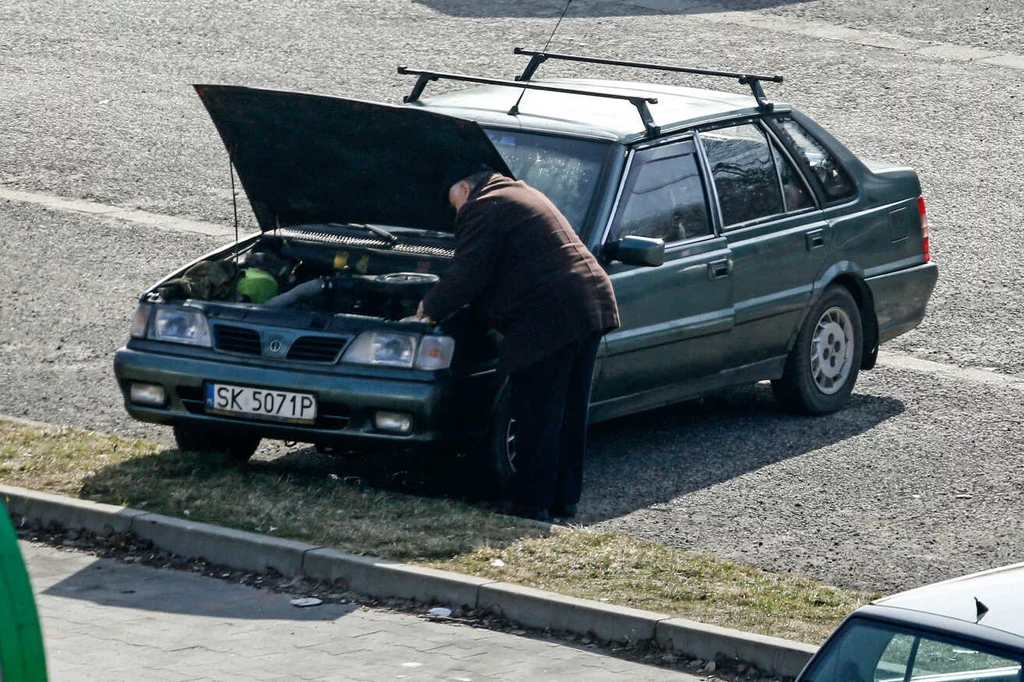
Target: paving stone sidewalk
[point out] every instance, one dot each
(104, 620)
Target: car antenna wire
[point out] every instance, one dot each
(514, 111)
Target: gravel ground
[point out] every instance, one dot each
(987, 24)
(95, 103)
(890, 493)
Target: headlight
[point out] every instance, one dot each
(435, 352)
(379, 348)
(180, 326)
(140, 319)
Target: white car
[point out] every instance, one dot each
(968, 629)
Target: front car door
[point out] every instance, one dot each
(675, 317)
(778, 238)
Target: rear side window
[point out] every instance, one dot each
(664, 196)
(834, 180)
(743, 169)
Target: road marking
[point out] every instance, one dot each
(130, 216)
(719, 14)
(985, 377)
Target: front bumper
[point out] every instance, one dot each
(901, 297)
(443, 411)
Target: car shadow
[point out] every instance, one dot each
(109, 583)
(632, 462)
(696, 445)
(591, 8)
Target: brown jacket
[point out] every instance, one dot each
(521, 266)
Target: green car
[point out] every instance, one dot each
(22, 658)
(743, 240)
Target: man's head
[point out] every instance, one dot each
(461, 179)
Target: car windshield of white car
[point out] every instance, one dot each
(868, 651)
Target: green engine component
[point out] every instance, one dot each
(256, 285)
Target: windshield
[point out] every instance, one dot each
(867, 651)
(565, 169)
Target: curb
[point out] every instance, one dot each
(389, 579)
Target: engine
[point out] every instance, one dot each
(289, 274)
(392, 296)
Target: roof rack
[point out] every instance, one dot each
(425, 77)
(754, 81)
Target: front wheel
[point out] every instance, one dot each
(823, 365)
(233, 447)
(494, 455)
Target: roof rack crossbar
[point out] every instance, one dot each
(749, 79)
(424, 77)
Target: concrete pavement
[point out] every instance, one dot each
(105, 620)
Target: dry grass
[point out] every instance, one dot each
(318, 509)
(646, 575)
(439, 532)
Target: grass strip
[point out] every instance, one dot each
(439, 532)
(618, 569)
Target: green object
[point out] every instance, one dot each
(256, 285)
(22, 657)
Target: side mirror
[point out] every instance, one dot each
(633, 250)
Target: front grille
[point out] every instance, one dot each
(317, 348)
(366, 242)
(233, 339)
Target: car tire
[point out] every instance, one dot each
(822, 367)
(493, 456)
(234, 447)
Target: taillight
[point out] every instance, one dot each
(925, 239)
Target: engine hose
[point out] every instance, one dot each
(306, 291)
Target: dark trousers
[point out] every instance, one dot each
(550, 403)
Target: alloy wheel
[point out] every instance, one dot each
(832, 348)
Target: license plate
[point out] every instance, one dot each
(261, 403)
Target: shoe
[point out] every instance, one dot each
(534, 513)
(563, 511)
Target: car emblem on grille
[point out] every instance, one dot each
(275, 347)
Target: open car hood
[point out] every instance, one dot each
(306, 158)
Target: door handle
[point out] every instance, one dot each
(719, 268)
(815, 239)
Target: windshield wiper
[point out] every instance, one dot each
(379, 231)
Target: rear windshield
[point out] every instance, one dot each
(565, 169)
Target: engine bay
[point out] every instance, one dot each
(324, 271)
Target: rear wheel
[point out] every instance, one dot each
(823, 365)
(232, 446)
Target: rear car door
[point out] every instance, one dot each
(778, 238)
(676, 316)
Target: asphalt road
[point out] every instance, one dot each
(918, 480)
